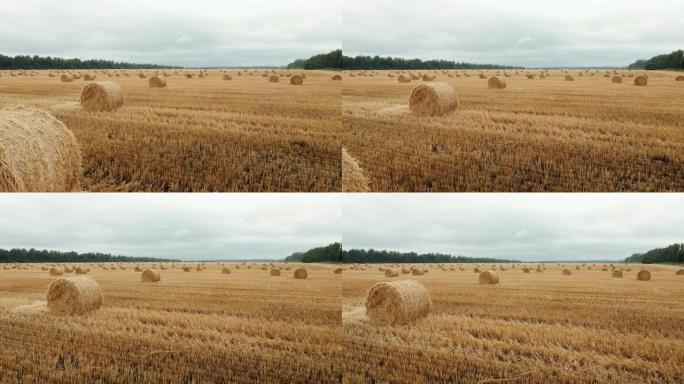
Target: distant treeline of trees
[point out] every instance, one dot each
(329, 254)
(674, 60)
(674, 254)
(38, 62)
(337, 60)
(371, 256)
(45, 256)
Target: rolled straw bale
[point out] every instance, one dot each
(644, 275)
(227, 77)
(56, 272)
(138, 269)
(526, 270)
(391, 273)
(102, 96)
(496, 82)
(275, 272)
(404, 78)
(273, 79)
(37, 152)
(66, 78)
(150, 276)
(488, 277)
(338, 271)
(417, 272)
(225, 270)
(434, 99)
(641, 81)
(617, 273)
(157, 82)
(187, 269)
(300, 273)
(680, 272)
(679, 78)
(617, 80)
(80, 271)
(569, 78)
(89, 77)
(337, 77)
(297, 80)
(74, 295)
(397, 302)
(567, 271)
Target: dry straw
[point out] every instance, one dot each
(300, 273)
(103, 96)
(434, 99)
(275, 272)
(397, 302)
(617, 80)
(496, 82)
(644, 275)
(679, 78)
(273, 79)
(391, 273)
(617, 273)
(150, 276)
(66, 78)
(37, 152)
(56, 272)
(297, 80)
(353, 177)
(680, 272)
(641, 81)
(74, 296)
(157, 82)
(488, 277)
(404, 78)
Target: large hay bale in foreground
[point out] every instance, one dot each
(389, 272)
(496, 82)
(641, 81)
(397, 302)
(103, 96)
(300, 273)
(297, 80)
(37, 152)
(157, 82)
(617, 79)
(56, 272)
(644, 275)
(275, 272)
(434, 99)
(488, 277)
(150, 276)
(617, 273)
(567, 271)
(74, 296)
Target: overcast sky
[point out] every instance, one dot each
(183, 226)
(521, 32)
(176, 32)
(528, 227)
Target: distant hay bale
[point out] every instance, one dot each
(644, 275)
(641, 81)
(66, 78)
(142, 75)
(404, 78)
(150, 276)
(680, 272)
(617, 273)
(428, 78)
(569, 78)
(567, 271)
(338, 271)
(227, 77)
(617, 80)
(337, 77)
(276, 272)
(389, 272)
(496, 82)
(103, 96)
(397, 302)
(187, 269)
(297, 80)
(417, 272)
(138, 269)
(68, 269)
(74, 296)
(37, 152)
(434, 99)
(679, 78)
(526, 270)
(273, 79)
(89, 77)
(190, 75)
(157, 82)
(56, 272)
(476, 270)
(80, 271)
(405, 271)
(488, 277)
(225, 270)
(300, 273)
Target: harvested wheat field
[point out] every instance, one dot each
(195, 134)
(198, 327)
(538, 327)
(539, 133)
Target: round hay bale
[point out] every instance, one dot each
(276, 272)
(404, 78)
(74, 296)
(488, 277)
(679, 78)
(138, 269)
(391, 273)
(273, 79)
(617, 273)
(337, 77)
(37, 153)
(157, 82)
(397, 302)
(428, 78)
(569, 78)
(644, 275)
(150, 276)
(417, 272)
(80, 271)
(102, 96)
(496, 82)
(434, 99)
(476, 270)
(66, 78)
(187, 269)
(680, 272)
(526, 270)
(89, 77)
(225, 270)
(617, 80)
(567, 271)
(338, 271)
(641, 81)
(227, 77)
(297, 80)
(300, 273)
(56, 272)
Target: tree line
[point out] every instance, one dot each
(336, 60)
(21, 255)
(372, 256)
(328, 254)
(38, 62)
(674, 60)
(673, 254)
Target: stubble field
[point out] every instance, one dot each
(537, 327)
(201, 134)
(535, 135)
(191, 327)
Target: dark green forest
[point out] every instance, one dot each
(674, 60)
(373, 256)
(329, 254)
(37, 62)
(674, 254)
(336, 60)
(45, 256)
